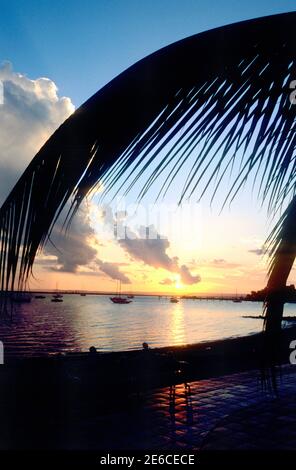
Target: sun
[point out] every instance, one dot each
(178, 284)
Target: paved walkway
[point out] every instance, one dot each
(231, 412)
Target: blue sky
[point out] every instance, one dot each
(81, 45)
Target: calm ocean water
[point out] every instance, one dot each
(43, 327)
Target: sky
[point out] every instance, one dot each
(53, 59)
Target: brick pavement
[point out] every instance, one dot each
(230, 412)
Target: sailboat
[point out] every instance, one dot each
(57, 297)
(118, 299)
(82, 292)
(237, 300)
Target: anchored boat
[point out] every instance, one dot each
(117, 299)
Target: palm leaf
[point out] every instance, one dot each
(210, 99)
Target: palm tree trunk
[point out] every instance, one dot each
(282, 264)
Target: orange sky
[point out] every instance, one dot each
(224, 255)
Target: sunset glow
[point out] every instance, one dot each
(221, 264)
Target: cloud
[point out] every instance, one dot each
(78, 249)
(31, 111)
(215, 263)
(257, 251)
(72, 249)
(166, 282)
(112, 270)
(222, 263)
(152, 250)
(187, 277)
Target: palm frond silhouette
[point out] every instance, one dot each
(212, 99)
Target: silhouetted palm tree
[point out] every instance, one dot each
(218, 97)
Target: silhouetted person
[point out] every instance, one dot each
(92, 350)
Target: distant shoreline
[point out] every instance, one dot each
(193, 297)
(203, 296)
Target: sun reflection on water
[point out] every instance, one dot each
(177, 324)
